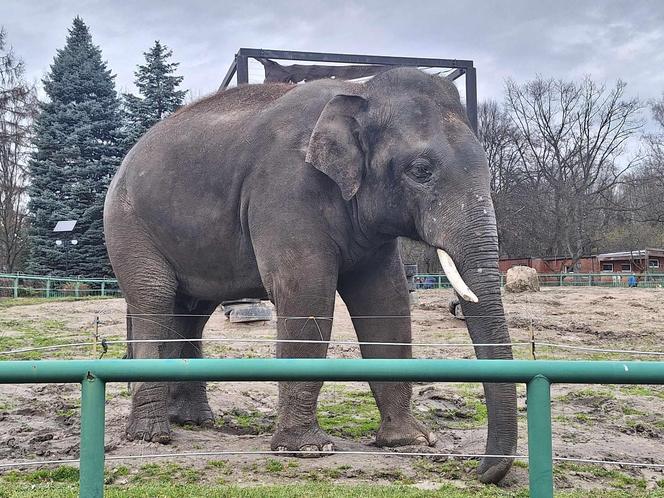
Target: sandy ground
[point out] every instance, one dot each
(596, 422)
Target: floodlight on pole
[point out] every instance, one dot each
(65, 226)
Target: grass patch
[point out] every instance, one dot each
(63, 473)
(643, 391)
(29, 301)
(247, 422)
(470, 414)
(62, 489)
(354, 415)
(166, 473)
(27, 333)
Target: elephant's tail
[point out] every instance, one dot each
(130, 336)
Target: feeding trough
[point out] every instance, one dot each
(246, 310)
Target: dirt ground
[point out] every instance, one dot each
(593, 422)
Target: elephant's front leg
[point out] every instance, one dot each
(305, 305)
(379, 289)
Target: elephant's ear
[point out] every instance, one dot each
(335, 146)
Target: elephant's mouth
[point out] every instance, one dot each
(454, 277)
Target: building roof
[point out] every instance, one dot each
(628, 255)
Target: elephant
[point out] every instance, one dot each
(293, 193)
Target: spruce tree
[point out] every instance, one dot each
(78, 147)
(158, 92)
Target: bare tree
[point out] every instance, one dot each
(572, 150)
(18, 106)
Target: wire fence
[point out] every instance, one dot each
(28, 286)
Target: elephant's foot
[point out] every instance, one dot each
(302, 438)
(189, 405)
(404, 432)
(155, 429)
(200, 414)
(148, 420)
(492, 470)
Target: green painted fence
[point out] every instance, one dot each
(645, 280)
(18, 285)
(537, 375)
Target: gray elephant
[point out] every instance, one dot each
(294, 192)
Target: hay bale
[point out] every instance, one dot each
(522, 279)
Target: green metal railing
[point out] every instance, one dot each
(18, 285)
(537, 375)
(645, 280)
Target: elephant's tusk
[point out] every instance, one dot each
(455, 279)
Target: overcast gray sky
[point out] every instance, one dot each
(519, 39)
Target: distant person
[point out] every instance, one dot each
(632, 281)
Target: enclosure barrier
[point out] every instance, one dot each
(644, 280)
(18, 285)
(537, 375)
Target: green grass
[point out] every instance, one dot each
(29, 301)
(28, 333)
(313, 490)
(472, 414)
(247, 422)
(351, 415)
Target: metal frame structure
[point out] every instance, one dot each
(460, 67)
(537, 375)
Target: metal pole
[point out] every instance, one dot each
(15, 287)
(242, 69)
(48, 287)
(540, 448)
(103, 289)
(471, 97)
(93, 401)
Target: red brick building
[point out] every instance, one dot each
(642, 261)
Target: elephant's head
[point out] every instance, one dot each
(403, 152)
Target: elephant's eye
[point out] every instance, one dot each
(420, 171)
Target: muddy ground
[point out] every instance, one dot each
(594, 422)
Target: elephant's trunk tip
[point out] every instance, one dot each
(454, 277)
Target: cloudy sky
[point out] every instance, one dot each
(516, 38)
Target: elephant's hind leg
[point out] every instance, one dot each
(149, 285)
(188, 400)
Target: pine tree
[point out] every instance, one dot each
(78, 147)
(158, 89)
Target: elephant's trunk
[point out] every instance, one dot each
(478, 263)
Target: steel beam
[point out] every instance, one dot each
(471, 97)
(242, 64)
(229, 75)
(353, 58)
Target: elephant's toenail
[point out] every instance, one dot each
(282, 448)
(328, 447)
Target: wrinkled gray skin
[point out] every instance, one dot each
(293, 193)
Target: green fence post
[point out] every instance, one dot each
(540, 447)
(16, 287)
(103, 288)
(77, 287)
(93, 399)
(48, 287)
(561, 280)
